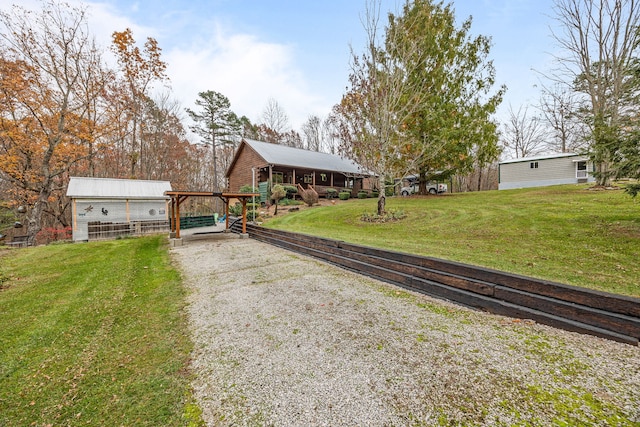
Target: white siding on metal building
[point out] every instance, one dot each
(540, 171)
(115, 210)
(116, 201)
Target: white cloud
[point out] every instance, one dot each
(241, 66)
(246, 70)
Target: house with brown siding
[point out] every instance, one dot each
(541, 171)
(265, 164)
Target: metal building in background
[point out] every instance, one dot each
(106, 208)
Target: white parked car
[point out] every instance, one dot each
(431, 188)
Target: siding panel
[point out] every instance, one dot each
(550, 171)
(115, 210)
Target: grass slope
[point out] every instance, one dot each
(93, 334)
(569, 234)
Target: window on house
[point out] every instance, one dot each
(323, 177)
(581, 170)
(533, 165)
(308, 179)
(277, 178)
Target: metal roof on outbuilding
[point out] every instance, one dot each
(111, 188)
(542, 157)
(282, 155)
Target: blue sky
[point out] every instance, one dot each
(297, 51)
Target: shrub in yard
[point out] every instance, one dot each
(248, 189)
(632, 189)
(310, 197)
(235, 210)
(277, 193)
(289, 202)
(387, 217)
(291, 191)
(363, 194)
(332, 193)
(344, 195)
(52, 234)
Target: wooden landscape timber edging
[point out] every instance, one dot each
(602, 314)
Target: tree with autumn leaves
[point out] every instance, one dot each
(50, 72)
(420, 98)
(64, 112)
(139, 69)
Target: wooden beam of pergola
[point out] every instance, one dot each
(178, 197)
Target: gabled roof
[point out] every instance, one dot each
(111, 188)
(281, 155)
(543, 157)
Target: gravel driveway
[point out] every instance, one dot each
(285, 340)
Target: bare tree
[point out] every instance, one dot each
(312, 133)
(600, 41)
(329, 142)
(559, 110)
(291, 139)
(140, 69)
(523, 135)
(275, 118)
(320, 135)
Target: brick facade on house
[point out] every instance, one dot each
(240, 172)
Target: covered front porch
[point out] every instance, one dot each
(319, 180)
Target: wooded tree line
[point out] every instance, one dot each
(421, 100)
(64, 112)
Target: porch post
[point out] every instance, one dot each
(172, 214)
(177, 212)
(226, 214)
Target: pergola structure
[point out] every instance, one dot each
(178, 197)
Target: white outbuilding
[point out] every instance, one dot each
(104, 208)
(541, 171)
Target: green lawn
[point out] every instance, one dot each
(96, 333)
(569, 234)
(93, 334)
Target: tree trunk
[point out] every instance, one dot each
(34, 218)
(382, 200)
